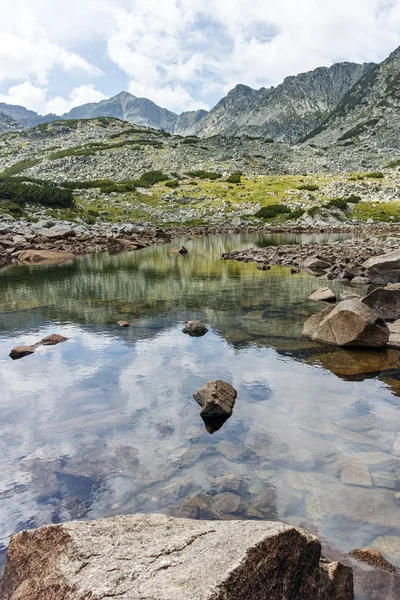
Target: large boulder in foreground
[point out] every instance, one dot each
(162, 558)
(385, 301)
(349, 323)
(384, 268)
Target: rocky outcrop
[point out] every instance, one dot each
(385, 268)
(385, 301)
(153, 556)
(349, 323)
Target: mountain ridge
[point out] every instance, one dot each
(301, 108)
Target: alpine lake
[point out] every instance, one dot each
(106, 423)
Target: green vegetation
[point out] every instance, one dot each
(150, 178)
(172, 184)
(271, 211)
(380, 212)
(235, 177)
(20, 167)
(374, 175)
(106, 185)
(311, 187)
(392, 165)
(204, 175)
(22, 193)
(296, 214)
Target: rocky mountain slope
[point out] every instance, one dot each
(368, 115)
(8, 123)
(287, 112)
(127, 107)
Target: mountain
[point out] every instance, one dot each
(285, 113)
(127, 107)
(7, 123)
(28, 118)
(369, 113)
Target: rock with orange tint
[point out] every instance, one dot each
(44, 256)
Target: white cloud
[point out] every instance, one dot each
(36, 98)
(176, 51)
(80, 95)
(25, 94)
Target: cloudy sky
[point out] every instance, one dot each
(182, 54)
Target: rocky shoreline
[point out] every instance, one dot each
(48, 241)
(343, 260)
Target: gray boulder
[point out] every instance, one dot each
(324, 294)
(349, 323)
(142, 557)
(385, 301)
(384, 268)
(316, 264)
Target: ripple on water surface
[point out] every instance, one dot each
(105, 423)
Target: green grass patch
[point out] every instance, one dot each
(20, 167)
(311, 187)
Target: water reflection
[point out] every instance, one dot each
(105, 423)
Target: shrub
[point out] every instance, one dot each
(311, 187)
(374, 175)
(150, 178)
(271, 211)
(235, 177)
(296, 214)
(338, 203)
(204, 174)
(392, 165)
(45, 194)
(172, 184)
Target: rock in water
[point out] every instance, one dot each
(384, 268)
(385, 301)
(216, 398)
(372, 557)
(324, 294)
(195, 328)
(180, 250)
(349, 323)
(316, 264)
(140, 557)
(124, 324)
(53, 340)
(21, 351)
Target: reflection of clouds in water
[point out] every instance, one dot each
(94, 394)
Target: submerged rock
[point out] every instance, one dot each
(180, 250)
(372, 557)
(154, 556)
(385, 301)
(324, 294)
(349, 323)
(44, 256)
(21, 351)
(195, 328)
